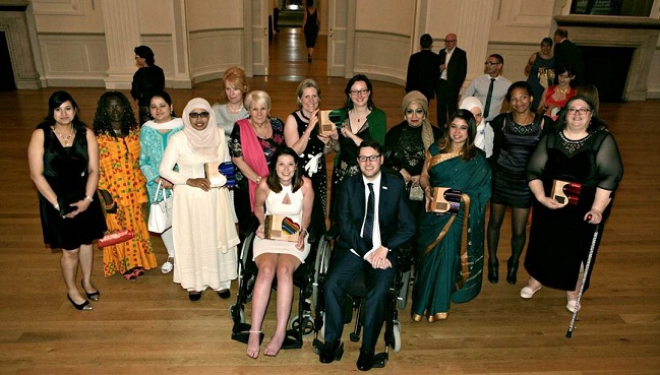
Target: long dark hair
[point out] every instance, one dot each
(55, 101)
(347, 91)
(102, 124)
(469, 150)
(274, 181)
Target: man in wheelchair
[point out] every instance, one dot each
(364, 200)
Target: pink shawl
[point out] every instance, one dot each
(253, 155)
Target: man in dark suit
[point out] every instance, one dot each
(376, 220)
(568, 53)
(453, 69)
(423, 69)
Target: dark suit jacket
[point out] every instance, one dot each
(568, 53)
(457, 69)
(423, 73)
(396, 222)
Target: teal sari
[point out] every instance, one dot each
(451, 246)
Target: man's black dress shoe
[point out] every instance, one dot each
(365, 361)
(331, 351)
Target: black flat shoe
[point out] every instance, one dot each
(224, 294)
(331, 351)
(194, 296)
(85, 306)
(365, 361)
(93, 296)
(493, 271)
(512, 271)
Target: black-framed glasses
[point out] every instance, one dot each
(363, 158)
(582, 111)
(196, 115)
(359, 92)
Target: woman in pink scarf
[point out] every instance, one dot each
(253, 143)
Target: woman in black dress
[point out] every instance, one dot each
(583, 151)
(302, 135)
(516, 135)
(64, 165)
(310, 27)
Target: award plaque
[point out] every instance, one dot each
(446, 200)
(328, 121)
(212, 173)
(281, 228)
(565, 192)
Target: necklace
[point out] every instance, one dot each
(302, 113)
(357, 116)
(235, 110)
(65, 138)
(563, 90)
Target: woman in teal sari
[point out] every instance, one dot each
(451, 245)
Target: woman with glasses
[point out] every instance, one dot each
(555, 97)
(451, 245)
(516, 135)
(122, 186)
(205, 237)
(584, 153)
(360, 120)
(253, 142)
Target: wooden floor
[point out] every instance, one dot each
(148, 326)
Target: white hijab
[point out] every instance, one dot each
(204, 142)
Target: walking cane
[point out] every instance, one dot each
(569, 333)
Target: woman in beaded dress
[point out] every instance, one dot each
(123, 186)
(582, 151)
(539, 61)
(63, 159)
(516, 135)
(301, 133)
(360, 120)
(154, 136)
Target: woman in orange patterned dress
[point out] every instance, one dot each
(122, 186)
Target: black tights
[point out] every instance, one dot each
(518, 226)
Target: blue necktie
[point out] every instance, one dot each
(368, 232)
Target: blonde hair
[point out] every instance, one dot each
(259, 97)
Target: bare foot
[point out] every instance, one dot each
(253, 344)
(274, 346)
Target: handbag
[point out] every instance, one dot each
(116, 237)
(415, 192)
(546, 77)
(160, 213)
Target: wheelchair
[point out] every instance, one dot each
(301, 324)
(355, 295)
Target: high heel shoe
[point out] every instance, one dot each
(512, 271)
(93, 296)
(85, 306)
(493, 271)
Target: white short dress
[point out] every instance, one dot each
(293, 210)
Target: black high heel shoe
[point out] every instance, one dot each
(85, 306)
(493, 271)
(93, 296)
(512, 271)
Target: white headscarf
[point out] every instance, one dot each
(204, 142)
(484, 137)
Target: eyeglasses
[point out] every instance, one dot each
(363, 158)
(196, 115)
(419, 111)
(359, 92)
(491, 63)
(582, 111)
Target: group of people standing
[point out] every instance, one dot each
(94, 183)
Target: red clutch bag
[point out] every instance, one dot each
(116, 237)
(565, 192)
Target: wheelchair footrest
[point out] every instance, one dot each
(380, 360)
(291, 340)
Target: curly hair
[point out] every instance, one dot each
(102, 124)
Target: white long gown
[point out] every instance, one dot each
(205, 237)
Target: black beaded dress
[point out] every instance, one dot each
(65, 169)
(313, 149)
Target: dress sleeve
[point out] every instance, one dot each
(235, 148)
(608, 162)
(169, 161)
(536, 162)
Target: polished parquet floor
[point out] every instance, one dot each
(149, 326)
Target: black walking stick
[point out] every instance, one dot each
(569, 333)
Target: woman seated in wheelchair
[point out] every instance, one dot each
(286, 195)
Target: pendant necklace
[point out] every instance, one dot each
(65, 139)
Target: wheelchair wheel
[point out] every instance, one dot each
(396, 337)
(241, 313)
(307, 324)
(321, 265)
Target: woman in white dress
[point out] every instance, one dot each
(285, 192)
(205, 237)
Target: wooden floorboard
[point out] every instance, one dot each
(148, 326)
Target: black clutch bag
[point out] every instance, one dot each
(65, 207)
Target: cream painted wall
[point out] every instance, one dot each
(68, 17)
(214, 14)
(385, 16)
(156, 17)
